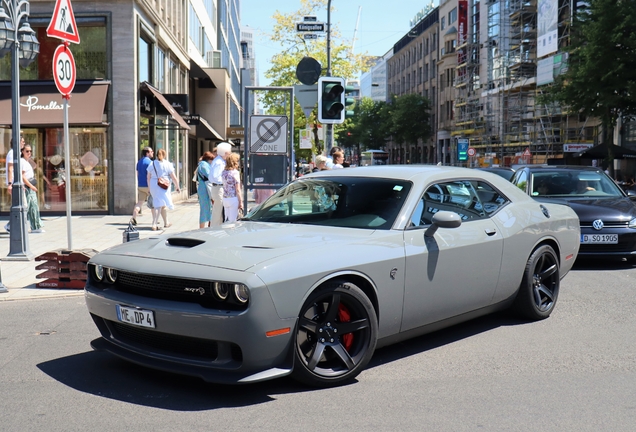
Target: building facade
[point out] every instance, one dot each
(413, 69)
(163, 73)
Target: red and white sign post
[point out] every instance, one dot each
(63, 26)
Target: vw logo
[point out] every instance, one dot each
(597, 224)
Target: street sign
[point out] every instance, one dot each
(309, 18)
(62, 25)
(310, 27)
(471, 151)
(305, 138)
(310, 36)
(268, 134)
(527, 153)
(462, 149)
(307, 97)
(308, 70)
(64, 70)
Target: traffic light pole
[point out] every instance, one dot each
(329, 131)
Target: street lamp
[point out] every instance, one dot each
(24, 47)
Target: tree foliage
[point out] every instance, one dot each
(601, 77)
(405, 120)
(282, 72)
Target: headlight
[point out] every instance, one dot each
(98, 271)
(632, 223)
(241, 293)
(111, 275)
(221, 290)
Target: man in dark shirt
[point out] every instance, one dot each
(142, 182)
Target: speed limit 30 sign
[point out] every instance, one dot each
(64, 70)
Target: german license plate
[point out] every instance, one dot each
(134, 316)
(599, 238)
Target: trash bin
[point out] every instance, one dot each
(130, 233)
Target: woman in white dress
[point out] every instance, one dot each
(161, 168)
(232, 198)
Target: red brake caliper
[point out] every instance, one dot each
(345, 316)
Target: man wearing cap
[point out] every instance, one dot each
(223, 150)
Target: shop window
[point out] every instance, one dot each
(89, 54)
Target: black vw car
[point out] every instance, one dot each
(607, 214)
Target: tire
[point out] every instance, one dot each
(335, 336)
(539, 288)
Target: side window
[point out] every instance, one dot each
(491, 200)
(521, 180)
(456, 196)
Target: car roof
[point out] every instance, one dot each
(403, 172)
(558, 168)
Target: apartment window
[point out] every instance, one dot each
(426, 72)
(452, 16)
(443, 23)
(419, 76)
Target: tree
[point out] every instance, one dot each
(410, 119)
(601, 77)
(283, 70)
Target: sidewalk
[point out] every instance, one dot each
(88, 232)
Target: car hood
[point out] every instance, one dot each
(612, 209)
(238, 246)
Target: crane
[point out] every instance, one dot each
(355, 31)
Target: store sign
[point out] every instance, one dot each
(575, 148)
(178, 101)
(43, 104)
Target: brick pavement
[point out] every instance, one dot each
(88, 232)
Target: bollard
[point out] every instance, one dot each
(130, 233)
(3, 289)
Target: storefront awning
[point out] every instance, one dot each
(601, 151)
(206, 131)
(42, 104)
(163, 101)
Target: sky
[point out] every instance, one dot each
(382, 23)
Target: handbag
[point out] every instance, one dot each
(206, 181)
(162, 182)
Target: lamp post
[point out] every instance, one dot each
(24, 47)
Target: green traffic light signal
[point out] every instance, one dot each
(331, 100)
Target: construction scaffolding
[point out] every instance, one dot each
(500, 112)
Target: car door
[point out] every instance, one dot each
(457, 269)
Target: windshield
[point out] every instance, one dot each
(354, 202)
(574, 183)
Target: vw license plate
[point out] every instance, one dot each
(134, 316)
(599, 238)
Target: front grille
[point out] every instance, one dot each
(167, 344)
(605, 224)
(174, 289)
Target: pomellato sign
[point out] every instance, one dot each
(42, 104)
(33, 104)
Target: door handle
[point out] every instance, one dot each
(491, 231)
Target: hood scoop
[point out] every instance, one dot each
(184, 242)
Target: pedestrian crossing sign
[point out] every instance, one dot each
(63, 24)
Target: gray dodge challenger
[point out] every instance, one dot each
(329, 268)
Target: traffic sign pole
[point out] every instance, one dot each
(64, 75)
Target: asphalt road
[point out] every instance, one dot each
(575, 371)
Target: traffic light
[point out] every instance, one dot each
(331, 100)
(349, 100)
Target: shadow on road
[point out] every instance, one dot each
(104, 375)
(583, 264)
(443, 337)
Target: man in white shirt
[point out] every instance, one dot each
(217, 167)
(9, 171)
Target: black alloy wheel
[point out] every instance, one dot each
(335, 336)
(540, 285)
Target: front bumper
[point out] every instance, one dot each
(625, 247)
(215, 345)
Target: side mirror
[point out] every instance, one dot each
(443, 219)
(631, 193)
